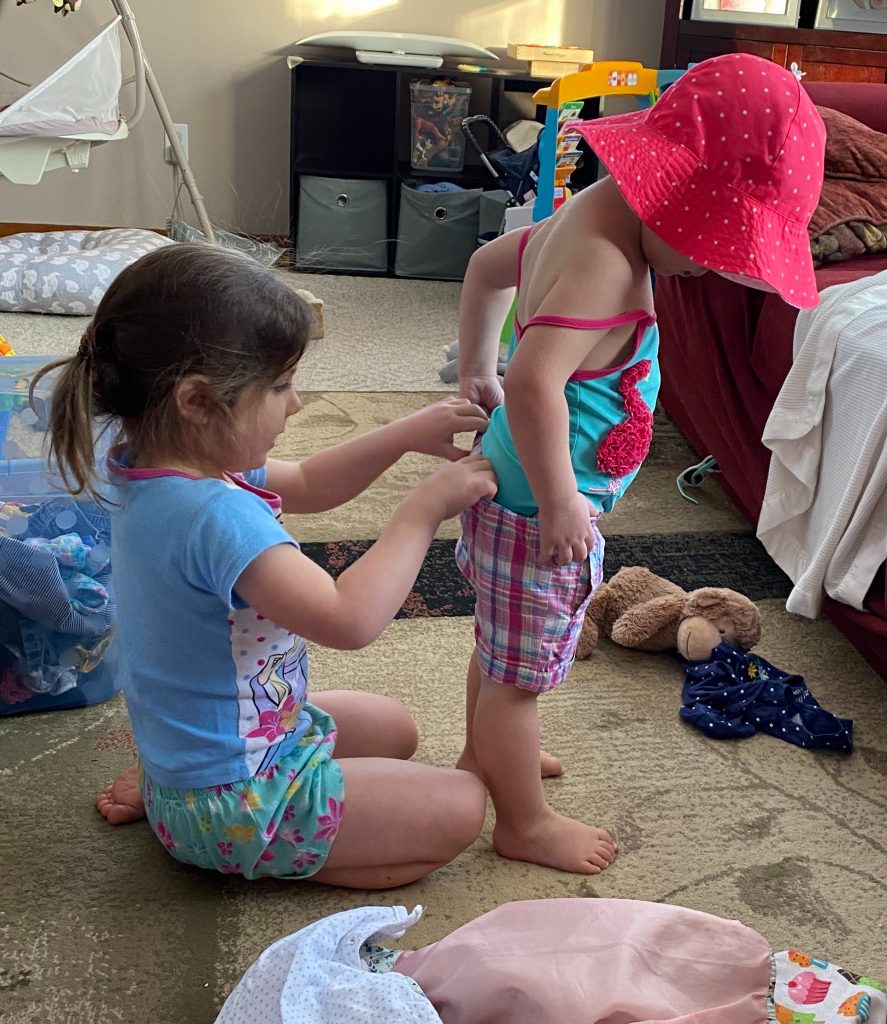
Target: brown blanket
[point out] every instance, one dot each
(851, 219)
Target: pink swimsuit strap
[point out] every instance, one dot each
(642, 317)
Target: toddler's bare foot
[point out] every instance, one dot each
(558, 842)
(122, 800)
(550, 766)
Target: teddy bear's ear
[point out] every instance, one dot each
(711, 597)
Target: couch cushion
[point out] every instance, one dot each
(851, 217)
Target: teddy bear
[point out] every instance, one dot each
(643, 611)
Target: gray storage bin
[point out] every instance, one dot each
(342, 224)
(437, 233)
(491, 216)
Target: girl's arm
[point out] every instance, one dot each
(487, 294)
(335, 476)
(540, 425)
(352, 610)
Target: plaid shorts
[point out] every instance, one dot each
(527, 615)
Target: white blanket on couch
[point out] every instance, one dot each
(824, 518)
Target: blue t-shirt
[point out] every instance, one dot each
(215, 691)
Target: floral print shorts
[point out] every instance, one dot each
(280, 823)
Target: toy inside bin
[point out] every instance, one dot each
(56, 601)
(436, 112)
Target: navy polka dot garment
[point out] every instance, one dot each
(737, 694)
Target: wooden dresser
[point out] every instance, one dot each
(826, 56)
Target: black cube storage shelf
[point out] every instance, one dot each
(351, 122)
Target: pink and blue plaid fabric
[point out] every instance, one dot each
(527, 614)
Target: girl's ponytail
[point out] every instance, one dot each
(72, 415)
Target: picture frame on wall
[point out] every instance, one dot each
(748, 12)
(852, 15)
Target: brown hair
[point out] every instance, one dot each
(180, 310)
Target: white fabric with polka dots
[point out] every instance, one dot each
(316, 977)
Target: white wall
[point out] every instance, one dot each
(221, 66)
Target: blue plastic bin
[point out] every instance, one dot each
(41, 666)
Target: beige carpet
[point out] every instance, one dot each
(99, 925)
(380, 334)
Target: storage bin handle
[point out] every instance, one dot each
(440, 213)
(342, 199)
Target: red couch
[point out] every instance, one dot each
(725, 352)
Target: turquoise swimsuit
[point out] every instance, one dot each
(611, 416)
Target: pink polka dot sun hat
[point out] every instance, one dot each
(726, 168)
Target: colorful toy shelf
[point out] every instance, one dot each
(563, 100)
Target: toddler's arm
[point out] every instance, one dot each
(487, 294)
(540, 425)
(352, 610)
(335, 476)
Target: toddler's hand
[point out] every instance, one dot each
(566, 533)
(456, 486)
(484, 391)
(430, 430)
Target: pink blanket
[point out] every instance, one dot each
(595, 961)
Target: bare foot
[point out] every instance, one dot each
(550, 767)
(122, 800)
(558, 842)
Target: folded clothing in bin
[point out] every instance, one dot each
(56, 600)
(56, 610)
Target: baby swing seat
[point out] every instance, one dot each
(57, 122)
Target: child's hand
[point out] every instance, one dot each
(455, 487)
(566, 533)
(484, 391)
(430, 430)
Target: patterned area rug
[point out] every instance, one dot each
(692, 560)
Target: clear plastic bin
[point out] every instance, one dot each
(436, 112)
(56, 599)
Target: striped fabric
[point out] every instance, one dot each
(527, 615)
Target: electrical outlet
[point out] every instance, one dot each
(182, 132)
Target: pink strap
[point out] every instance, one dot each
(581, 324)
(269, 497)
(642, 317)
(148, 474)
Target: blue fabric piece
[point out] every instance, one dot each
(737, 694)
(31, 582)
(85, 518)
(78, 562)
(42, 647)
(54, 592)
(439, 186)
(87, 595)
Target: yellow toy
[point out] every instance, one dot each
(5, 348)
